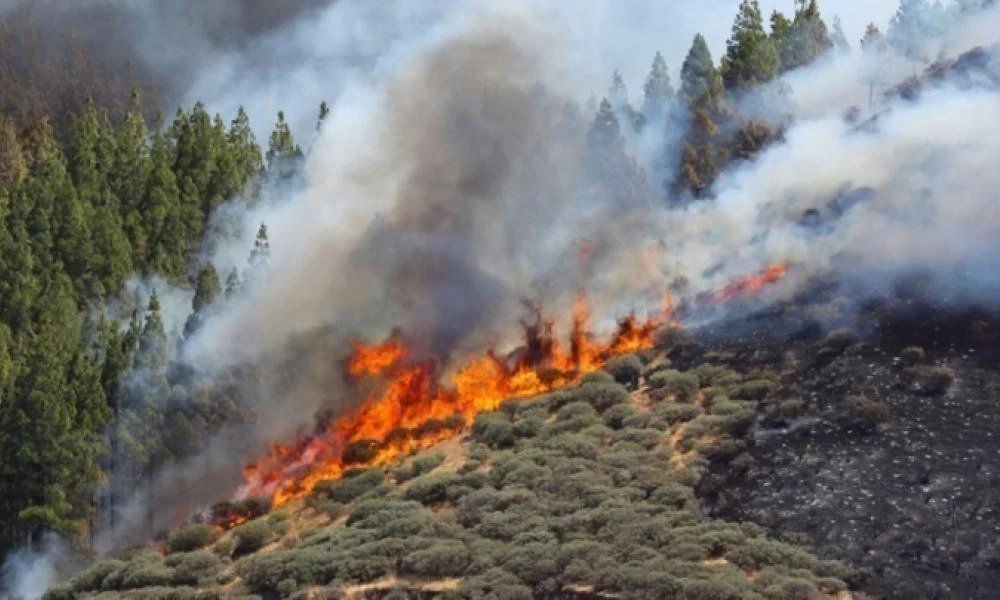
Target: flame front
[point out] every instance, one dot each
(414, 410)
(751, 283)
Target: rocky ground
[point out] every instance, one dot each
(868, 453)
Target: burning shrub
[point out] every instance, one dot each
(683, 386)
(912, 355)
(493, 429)
(361, 452)
(433, 488)
(227, 514)
(936, 380)
(252, 536)
(625, 369)
(447, 558)
(348, 489)
(190, 537)
(603, 396)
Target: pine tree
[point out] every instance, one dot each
(802, 40)
(698, 74)
(163, 223)
(751, 56)
(207, 290)
(232, 284)
(245, 148)
(914, 22)
(324, 112)
(658, 93)
(13, 160)
(283, 155)
(837, 37)
(702, 155)
(261, 249)
(617, 178)
(130, 175)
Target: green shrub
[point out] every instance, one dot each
(603, 396)
(625, 369)
(615, 416)
(251, 536)
(144, 569)
(493, 429)
(91, 579)
(713, 589)
(574, 417)
(573, 444)
(683, 386)
(432, 488)
(912, 355)
(597, 378)
(350, 487)
(678, 413)
(191, 568)
(528, 427)
(532, 562)
(447, 558)
(756, 389)
(936, 380)
(647, 438)
(494, 583)
(190, 537)
(263, 573)
(364, 512)
(730, 407)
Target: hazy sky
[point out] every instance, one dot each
(672, 25)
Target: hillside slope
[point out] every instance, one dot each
(586, 492)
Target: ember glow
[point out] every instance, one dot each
(415, 409)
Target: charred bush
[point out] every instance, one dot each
(936, 381)
(840, 340)
(912, 355)
(865, 414)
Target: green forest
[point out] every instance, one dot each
(99, 187)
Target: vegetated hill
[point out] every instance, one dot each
(586, 492)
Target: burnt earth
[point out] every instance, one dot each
(913, 500)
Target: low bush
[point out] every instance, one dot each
(936, 380)
(615, 416)
(716, 376)
(251, 536)
(145, 568)
(647, 438)
(351, 486)
(190, 537)
(493, 429)
(494, 583)
(574, 417)
(193, 568)
(528, 427)
(682, 386)
(625, 369)
(92, 578)
(447, 558)
(597, 377)
(432, 488)
(840, 340)
(603, 396)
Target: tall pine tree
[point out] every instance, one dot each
(751, 55)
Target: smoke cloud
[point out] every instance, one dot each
(450, 181)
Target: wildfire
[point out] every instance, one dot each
(414, 410)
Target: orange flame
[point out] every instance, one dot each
(414, 411)
(751, 283)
